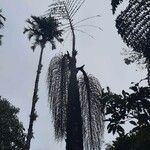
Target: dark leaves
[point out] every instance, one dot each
(11, 129)
(114, 4)
(133, 123)
(43, 30)
(133, 26)
(133, 107)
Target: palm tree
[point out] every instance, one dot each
(2, 18)
(133, 26)
(44, 30)
(75, 102)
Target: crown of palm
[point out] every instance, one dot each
(43, 30)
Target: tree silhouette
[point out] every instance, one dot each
(12, 135)
(44, 30)
(133, 108)
(135, 141)
(2, 18)
(75, 102)
(133, 26)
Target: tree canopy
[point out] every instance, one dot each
(12, 136)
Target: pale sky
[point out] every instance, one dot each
(18, 64)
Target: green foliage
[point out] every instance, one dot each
(128, 107)
(12, 136)
(44, 30)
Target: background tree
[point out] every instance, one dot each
(12, 135)
(132, 141)
(44, 30)
(2, 18)
(133, 26)
(128, 107)
(75, 103)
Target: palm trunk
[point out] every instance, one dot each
(35, 98)
(148, 72)
(74, 136)
(74, 140)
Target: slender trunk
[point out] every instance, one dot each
(74, 140)
(35, 98)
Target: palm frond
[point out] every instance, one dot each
(2, 18)
(57, 83)
(84, 32)
(65, 9)
(133, 26)
(93, 125)
(89, 25)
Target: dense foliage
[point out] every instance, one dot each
(12, 136)
(139, 140)
(114, 4)
(131, 107)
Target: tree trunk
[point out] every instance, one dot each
(35, 98)
(74, 140)
(148, 72)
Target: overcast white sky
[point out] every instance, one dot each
(18, 64)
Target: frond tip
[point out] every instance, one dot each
(92, 114)
(57, 83)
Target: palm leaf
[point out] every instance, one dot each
(2, 18)
(65, 9)
(93, 125)
(57, 82)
